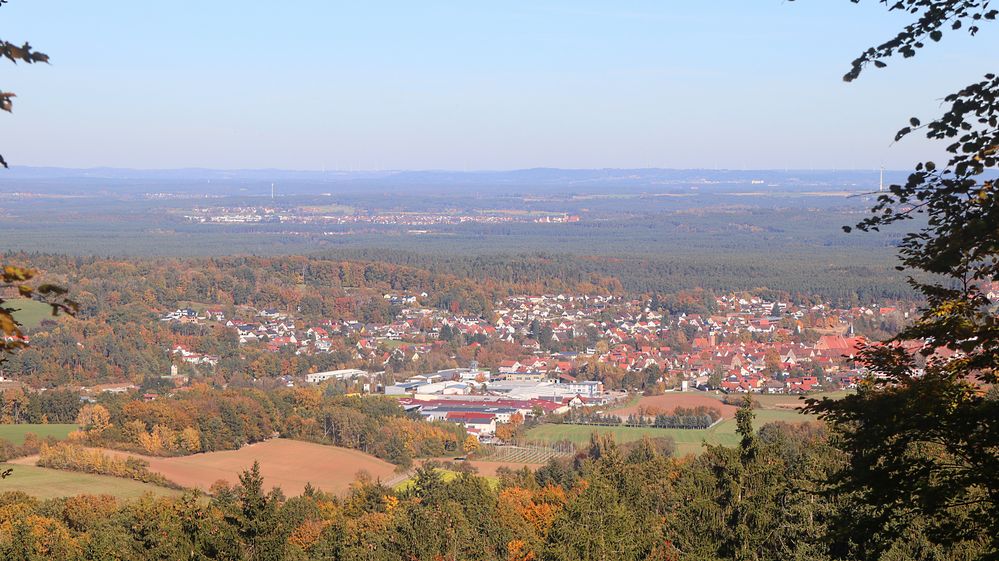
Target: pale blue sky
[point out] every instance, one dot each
(371, 84)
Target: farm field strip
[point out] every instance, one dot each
(15, 433)
(523, 454)
(669, 401)
(487, 468)
(288, 464)
(45, 483)
(446, 475)
(687, 440)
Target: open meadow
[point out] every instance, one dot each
(446, 475)
(449, 475)
(688, 441)
(15, 433)
(488, 468)
(29, 313)
(46, 483)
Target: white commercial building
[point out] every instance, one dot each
(345, 374)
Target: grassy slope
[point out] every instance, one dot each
(15, 433)
(29, 312)
(47, 483)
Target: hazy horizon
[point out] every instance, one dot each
(398, 86)
(447, 170)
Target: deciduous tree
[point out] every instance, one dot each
(94, 418)
(923, 441)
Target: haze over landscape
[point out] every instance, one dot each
(532, 281)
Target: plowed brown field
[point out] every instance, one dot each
(288, 464)
(666, 403)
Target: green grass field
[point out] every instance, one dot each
(446, 475)
(47, 483)
(687, 441)
(29, 313)
(15, 433)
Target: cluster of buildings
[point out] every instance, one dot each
(320, 215)
(481, 400)
(745, 344)
(190, 357)
(480, 415)
(561, 346)
(465, 381)
(558, 219)
(270, 327)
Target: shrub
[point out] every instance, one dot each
(74, 457)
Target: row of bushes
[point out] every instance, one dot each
(700, 417)
(670, 421)
(31, 445)
(586, 417)
(74, 457)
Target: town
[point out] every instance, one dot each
(549, 353)
(336, 215)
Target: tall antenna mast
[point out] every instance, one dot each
(272, 191)
(881, 186)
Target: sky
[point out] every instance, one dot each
(376, 84)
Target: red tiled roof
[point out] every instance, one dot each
(470, 416)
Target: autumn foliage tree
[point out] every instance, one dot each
(13, 278)
(471, 444)
(511, 430)
(922, 432)
(94, 419)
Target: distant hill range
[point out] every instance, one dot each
(537, 180)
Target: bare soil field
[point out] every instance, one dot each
(288, 464)
(667, 402)
(793, 402)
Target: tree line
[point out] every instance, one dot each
(206, 419)
(761, 500)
